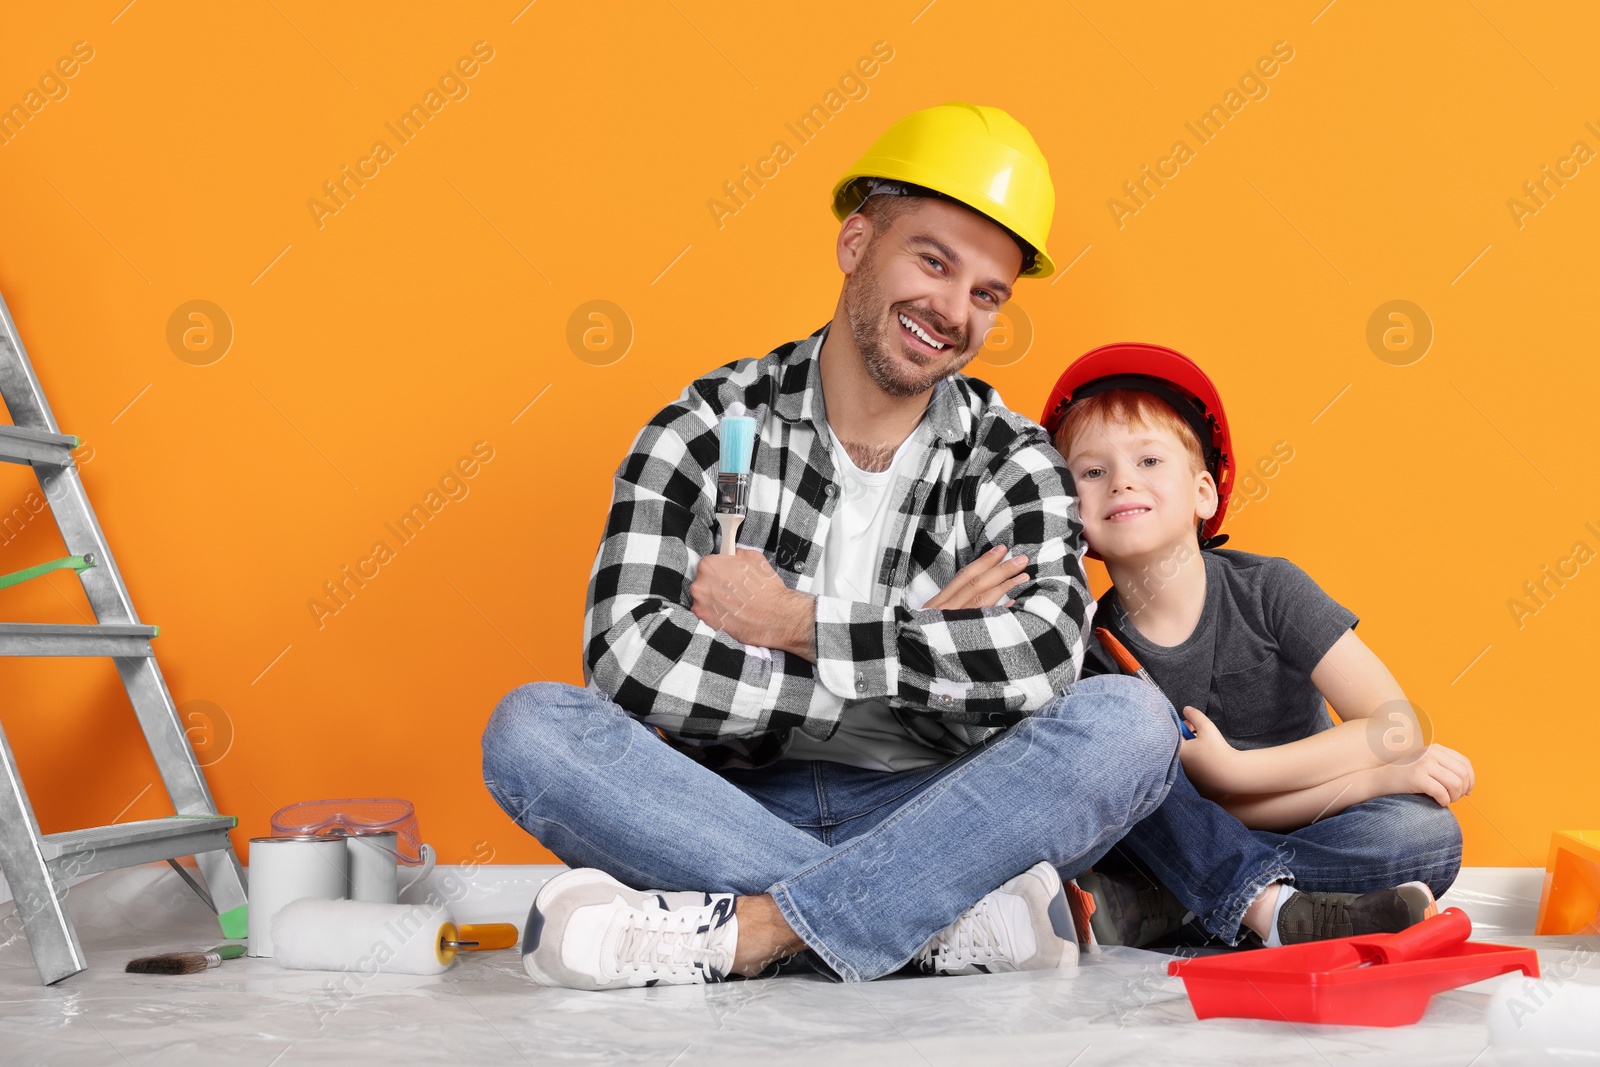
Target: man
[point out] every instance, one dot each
(863, 755)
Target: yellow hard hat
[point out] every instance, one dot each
(978, 155)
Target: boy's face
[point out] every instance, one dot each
(1138, 492)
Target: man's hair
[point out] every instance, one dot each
(1130, 407)
(881, 210)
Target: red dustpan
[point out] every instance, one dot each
(1377, 980)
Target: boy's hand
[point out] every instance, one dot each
(983, 583)
(1439, 772)
(1208, 759)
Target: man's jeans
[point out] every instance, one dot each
(1216, 866)
(865, 866)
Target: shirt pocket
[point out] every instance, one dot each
(1251, 702)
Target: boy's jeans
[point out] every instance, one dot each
(1216, 866)
(865, 866)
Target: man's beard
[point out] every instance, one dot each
(869, 323)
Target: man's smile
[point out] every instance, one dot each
(920, 337)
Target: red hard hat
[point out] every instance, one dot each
(1173, 377)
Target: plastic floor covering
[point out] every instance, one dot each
(1120, 1007)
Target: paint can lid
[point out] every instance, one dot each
(354, 817)
(295, 837)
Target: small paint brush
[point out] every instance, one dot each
(737, 432)
(184, 962)
(1125, 660)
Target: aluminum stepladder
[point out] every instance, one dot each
(36, 865)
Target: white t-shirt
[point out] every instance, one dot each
(863, 519)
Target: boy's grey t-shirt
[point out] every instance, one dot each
(1264, 628)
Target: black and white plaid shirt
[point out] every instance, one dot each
(953, 677)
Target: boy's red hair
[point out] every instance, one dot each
(1132, 407)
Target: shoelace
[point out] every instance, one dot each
(670, 944)
(975, 937)
(1330, 918)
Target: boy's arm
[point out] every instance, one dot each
(1294, 808)
(1379, 730)
(989, 666)
(1436, 774)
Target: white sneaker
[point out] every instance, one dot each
(1022, 926)
(587, 930)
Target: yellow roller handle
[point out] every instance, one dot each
(488, 936)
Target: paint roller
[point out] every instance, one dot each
(356, 935)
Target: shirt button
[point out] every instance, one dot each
(946, 698)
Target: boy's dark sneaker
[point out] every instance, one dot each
(1320, 916)
(1123, 911)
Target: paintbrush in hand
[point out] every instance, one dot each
(737, 431)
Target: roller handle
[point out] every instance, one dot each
(1118, 652)
(1422, 941)
(1129, 665)
(484, 937)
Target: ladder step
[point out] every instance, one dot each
(106, 848)
(21, 445)
(53, 639)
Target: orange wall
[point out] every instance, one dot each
(377, 345)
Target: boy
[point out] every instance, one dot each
(1250, 648)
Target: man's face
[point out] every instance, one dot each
(922, 294)
(1138, 492)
